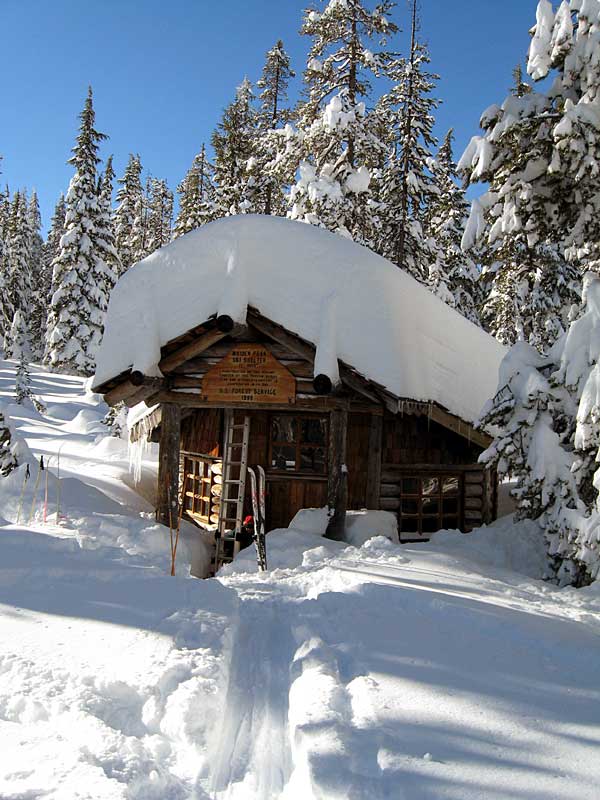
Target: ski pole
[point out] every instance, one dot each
(25, 479)
(45, 517)
(35, 489)
(58, 484)
(174, 554)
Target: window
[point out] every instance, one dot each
(429, 503)
(298, 444)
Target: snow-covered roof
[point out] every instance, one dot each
(349, 302)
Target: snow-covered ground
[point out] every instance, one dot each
(446, 671)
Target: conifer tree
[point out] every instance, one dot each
(129, 220)
(547, 411)
(159, 218)
(337, 137)
(233, 144)
(51, 251)
(565, 46)
(407, 188)
(51, 247)
(17, 275)
(196, 196)
(267, 191)
(79, 272)
(452, 274)
(540, 151)
(108, 257)
(21, 351)
(4, 215)
(38, 310)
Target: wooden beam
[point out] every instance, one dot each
(120, 393)
(337, 481)
(374, 457)
(459, 426)
(167, 496)
(134, 389)
(199, 345)
(185, 382)
(190, 400)
(144, 392)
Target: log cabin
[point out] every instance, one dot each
(262, 341)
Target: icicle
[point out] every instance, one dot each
(138, 448)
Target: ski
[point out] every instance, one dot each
(262, 539)
(255, 516)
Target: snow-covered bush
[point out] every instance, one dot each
(546, 414)
(8, 461)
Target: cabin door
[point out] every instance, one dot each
(292, 448)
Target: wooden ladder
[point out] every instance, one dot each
(231, 510)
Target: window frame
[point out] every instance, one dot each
(443, 518)
(299, 445)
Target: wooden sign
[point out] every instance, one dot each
(249, 373)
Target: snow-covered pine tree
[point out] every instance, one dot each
(159, 217)
(547, 410)
(17, 275)
(108, 266)
(337, 138)
(453, 275)
(21, 351)
(51, 251)
(38, 310)
(196, 196)
(129, 222)
(8, 461)
(407, 187)
(565, 46)
(78, 302)
(51, 246)
(540, 155)
(269, 169)
(233, 144)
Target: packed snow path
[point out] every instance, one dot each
(424, 673)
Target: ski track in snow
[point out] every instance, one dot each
(379, 673)
(252, 741)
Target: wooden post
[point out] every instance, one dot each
(337, 479)
(374, 462)
(168, 464)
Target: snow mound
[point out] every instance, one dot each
(286, 549)
(85, 421)
(506, 544)
(417, 346)
(360, 525)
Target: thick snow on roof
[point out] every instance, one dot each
(348, 301)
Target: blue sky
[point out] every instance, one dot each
(163, 71)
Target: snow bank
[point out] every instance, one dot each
(384, 323)
(286, 548)
(360, 525)
(506, 544)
